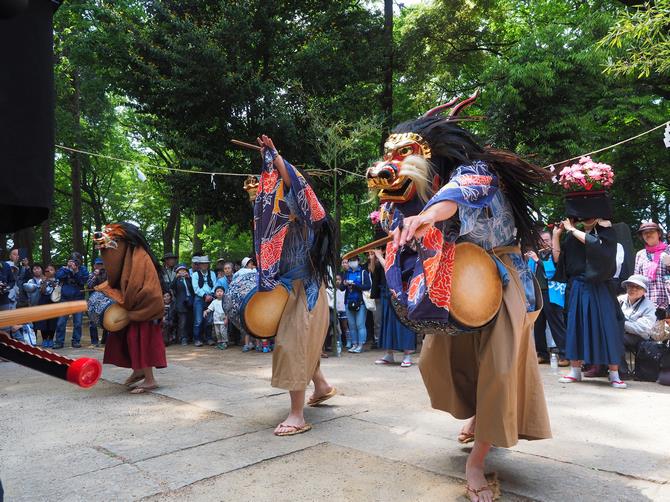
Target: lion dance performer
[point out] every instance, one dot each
(293, 237)
(133, 293)
(439, 187)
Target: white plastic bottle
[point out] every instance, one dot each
(553, 362)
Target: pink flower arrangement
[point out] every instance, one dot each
(586, 175)
(374, 217)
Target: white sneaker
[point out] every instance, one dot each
(618, 384)
(359, 349)
(353, 348)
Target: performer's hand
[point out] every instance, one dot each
(567, 225)
(378, 253)
(414, 227)
(265, 142)
(532, 255)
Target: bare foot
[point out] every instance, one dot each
(467, 434)
(290, 423)
(478, 488)
(135, 376)
(321, 390)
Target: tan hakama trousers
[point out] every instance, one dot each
(300, 336)
(492, 373)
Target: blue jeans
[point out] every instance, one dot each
(93, 331)
(76, 332)
(356, 321)
(199, 324)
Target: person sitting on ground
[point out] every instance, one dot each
(220, 320)
(639, 311)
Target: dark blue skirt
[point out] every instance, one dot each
(394, 335)
(594, 330)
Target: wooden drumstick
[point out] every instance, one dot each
(245, 145)
(32, 314)
(373, 245)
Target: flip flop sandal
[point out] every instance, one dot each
(293, 429)
(465, 437)
(383, 361)
(143, 390)
(493, 485)
(321, 399)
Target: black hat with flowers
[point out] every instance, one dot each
(586, 185)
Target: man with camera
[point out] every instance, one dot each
(72, 278)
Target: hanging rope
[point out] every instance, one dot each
(607, 147)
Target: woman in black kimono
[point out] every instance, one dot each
(587, 259)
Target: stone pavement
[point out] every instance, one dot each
(206, 434)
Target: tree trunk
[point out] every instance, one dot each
(25, 238)
(387, 93)
(77, 229)
(168, 234)
(177, 234)
(197, 230)
(46, 242)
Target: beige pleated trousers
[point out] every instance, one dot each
(492, 373)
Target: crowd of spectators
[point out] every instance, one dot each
(362, 317)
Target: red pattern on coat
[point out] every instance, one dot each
(438, 269)
(465, 180)
(315, 207)
(272, 248)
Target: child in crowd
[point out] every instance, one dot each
(220, 319)
(168, 326)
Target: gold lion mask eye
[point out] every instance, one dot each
(405, 151)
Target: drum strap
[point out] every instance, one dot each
(287, 279)
(502, 270)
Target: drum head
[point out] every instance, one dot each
(476, 288)
(115, 318)
(263, 312)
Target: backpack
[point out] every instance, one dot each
(664, 374)
(648, 360)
